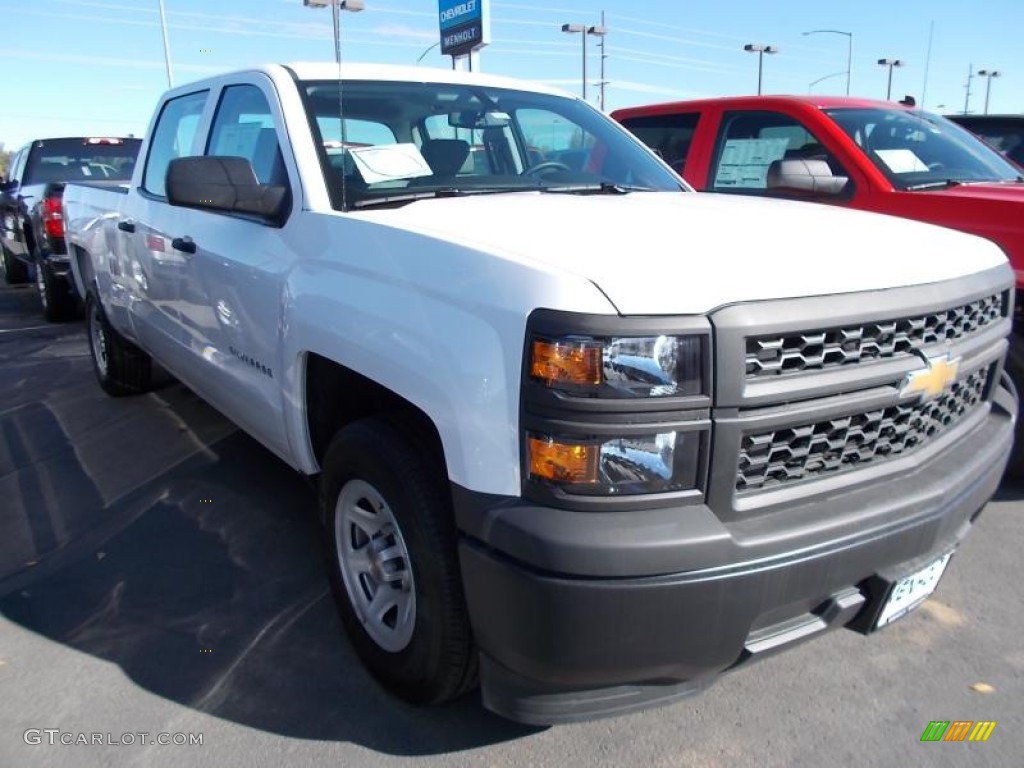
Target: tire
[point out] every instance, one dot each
(120, 367)
(1014, 366)
(15, 270)
(56, 296)
(389, 534)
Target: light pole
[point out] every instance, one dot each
(760, 50)
(336, 5)
(849, 49)
(167, 46)
(584, 30)
(600, 31)
(890, 63)
(988, 74)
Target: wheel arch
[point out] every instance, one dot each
(336, 396)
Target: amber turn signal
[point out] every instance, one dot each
(563, 462)
(566, 362)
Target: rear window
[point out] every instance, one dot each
(81, 159)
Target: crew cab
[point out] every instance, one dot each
(31, 222)
(578, 432)
(872, 155)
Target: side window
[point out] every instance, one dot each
(173, 137)
(749, 142)
(668, 135)
(244, 127)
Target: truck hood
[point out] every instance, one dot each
(654, 253)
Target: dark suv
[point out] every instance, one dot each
(31, 219)
(1004, 132)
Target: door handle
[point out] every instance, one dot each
(184, 244)
(127, 225)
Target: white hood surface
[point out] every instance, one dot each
(655, 253)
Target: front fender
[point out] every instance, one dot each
(439, 324)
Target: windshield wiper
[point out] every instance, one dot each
(404, 197)
(604, 188)
(943, 184)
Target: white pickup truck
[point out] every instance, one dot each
(580, 433)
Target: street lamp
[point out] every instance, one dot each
(813, 83)
(583, 31)
(890, 63)
(432, 47)
(344, 5)
(760, 50)
(988, 74)
(849, 49)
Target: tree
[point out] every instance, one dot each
(5, 159)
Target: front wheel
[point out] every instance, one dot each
(120, 366)
(390, 548)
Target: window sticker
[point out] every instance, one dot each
(901, 160)
(744, 163)
(389, 162)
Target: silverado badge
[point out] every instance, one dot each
(932, 381)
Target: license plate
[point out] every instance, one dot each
(910, 592)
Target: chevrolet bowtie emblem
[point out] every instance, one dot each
(931, 381)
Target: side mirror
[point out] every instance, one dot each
(808, 177)
(227, 184)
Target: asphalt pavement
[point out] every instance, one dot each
(160, 573)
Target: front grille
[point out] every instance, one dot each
(792, 454)
(829, 348)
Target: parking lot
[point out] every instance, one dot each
(160, 573)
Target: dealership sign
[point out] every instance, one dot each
(465, 25)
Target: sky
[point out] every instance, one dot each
(96, 67)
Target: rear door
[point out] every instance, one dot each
(156, 274)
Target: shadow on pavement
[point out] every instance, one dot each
(150, 533)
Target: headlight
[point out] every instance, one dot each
(654, 463)
(646, 366)
(615, 408)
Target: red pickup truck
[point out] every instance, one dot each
(874, 155)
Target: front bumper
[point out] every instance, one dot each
(562, 641)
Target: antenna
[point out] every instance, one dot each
(336, 7)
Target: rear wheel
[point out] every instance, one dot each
(15, 271)
(120, 366)
(56, 296)
(390, 547)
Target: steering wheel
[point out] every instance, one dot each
(547, 165)
(936, 166)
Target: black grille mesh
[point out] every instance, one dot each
(791, 454)
(821, 349)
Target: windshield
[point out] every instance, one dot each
(405, 140)
(918, 149)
